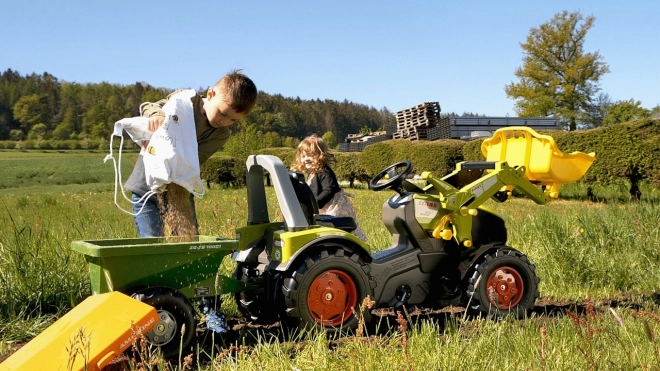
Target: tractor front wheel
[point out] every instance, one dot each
(326, 291)
(503, 283)
(174, 313)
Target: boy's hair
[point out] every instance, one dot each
(239, 91)
(315, 147)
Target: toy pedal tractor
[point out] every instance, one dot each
(309, 270)
(313, 271)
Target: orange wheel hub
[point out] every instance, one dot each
(505, 288)
(332, 297)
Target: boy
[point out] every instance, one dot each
(228, 101)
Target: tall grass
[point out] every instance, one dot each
(588, 249)
(581, 250)
(594, 340)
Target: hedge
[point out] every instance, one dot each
(348, 168)
(439, 157)
(223, 170)
(630, 151)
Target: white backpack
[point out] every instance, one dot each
(171, 155)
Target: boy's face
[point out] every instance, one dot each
(218, 112)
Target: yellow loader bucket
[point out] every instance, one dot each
(544, 162)
(92, 334)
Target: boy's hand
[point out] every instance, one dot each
(155, 122)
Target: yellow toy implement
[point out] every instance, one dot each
(544, 163)
(89, 337)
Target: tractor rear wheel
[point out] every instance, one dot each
(174, 312)
(326, 290)
(503, 283)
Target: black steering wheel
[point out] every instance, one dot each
(396, 174)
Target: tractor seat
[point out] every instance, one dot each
(345, 223)
(311, 209)
(305, 196)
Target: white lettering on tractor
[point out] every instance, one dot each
(477, 190)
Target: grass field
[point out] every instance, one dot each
(601, 260)
(30, 172)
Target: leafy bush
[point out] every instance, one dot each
(377, 156)
(348, 168)
(629, 151)
(286, 154)
(472, 151)
(221, 169)
(439, 157)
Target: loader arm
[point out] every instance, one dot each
(460, 205)
(516, 157)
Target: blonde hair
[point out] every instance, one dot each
(238, 90)
(316, 148)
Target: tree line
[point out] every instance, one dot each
(40, 106)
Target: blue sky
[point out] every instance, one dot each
(393, 54)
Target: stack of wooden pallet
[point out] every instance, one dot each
(442, 131)
(412, 123)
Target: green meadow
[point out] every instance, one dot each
(50, 171)
(599, 265)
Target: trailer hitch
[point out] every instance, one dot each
(403, 293)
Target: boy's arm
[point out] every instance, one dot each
(154, 110)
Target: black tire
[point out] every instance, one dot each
(174, 312)
(503, 283)
(256, 306)
(332, 283)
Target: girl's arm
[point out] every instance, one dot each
(328, 188)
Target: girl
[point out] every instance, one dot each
(314, 158)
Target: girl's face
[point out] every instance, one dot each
(307, 160)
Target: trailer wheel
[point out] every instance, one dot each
(253, 305)
(173, 312)
(326, 290)
(503, 283)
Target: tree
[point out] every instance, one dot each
(623, 111)
(65, 128)
(272, 139)
(247, 141)
(16, 134)
(329, 139)
(597, 111)
(29, 111)
(557, 77)
(290, 142)
(655, 111)
(38, 132)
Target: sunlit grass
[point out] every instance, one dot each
(581, 250)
